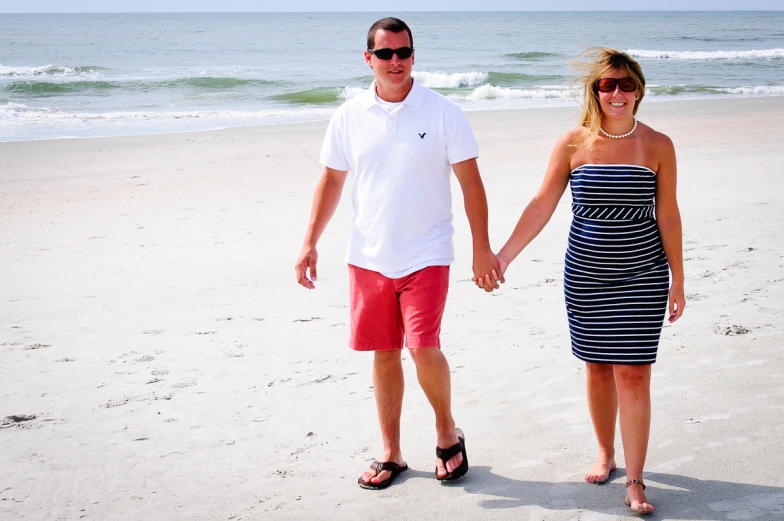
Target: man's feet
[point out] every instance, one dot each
(635, 497)
(600, 472)
(444, 469)
(378, 467)
(373, 477)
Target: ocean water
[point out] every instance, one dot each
(123, 74)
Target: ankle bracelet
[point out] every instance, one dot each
(635, 482)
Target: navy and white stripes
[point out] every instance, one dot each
(616, 278)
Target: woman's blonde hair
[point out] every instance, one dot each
(602, 60)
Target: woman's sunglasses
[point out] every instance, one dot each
(386, 54)
(608, 84)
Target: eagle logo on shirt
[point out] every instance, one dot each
(422, 135)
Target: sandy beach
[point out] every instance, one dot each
(160, 362)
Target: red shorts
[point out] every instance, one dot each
(383, 310)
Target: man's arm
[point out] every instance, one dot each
(485, 265)
(325, 201)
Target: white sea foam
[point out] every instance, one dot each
(441, 80)
(756, 90)
(350, 92)
(24, 71)
(491, 92)
(17, 113)
(41, 70)
(708, 55)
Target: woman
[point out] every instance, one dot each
(621, 249)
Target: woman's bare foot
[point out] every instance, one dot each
(635, 498)
(600, 472)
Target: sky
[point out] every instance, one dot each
(103, 6)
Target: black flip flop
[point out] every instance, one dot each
(446, 454)
(379, 467)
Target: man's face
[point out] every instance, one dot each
(393, 73)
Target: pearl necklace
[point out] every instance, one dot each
(620, 136)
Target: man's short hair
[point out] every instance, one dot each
(393, 25)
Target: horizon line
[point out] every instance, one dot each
(417, 11)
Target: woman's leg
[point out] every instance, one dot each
(603, 404)
(634, 397)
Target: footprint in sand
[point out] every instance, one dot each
(737, 264)
(145, 358)
(115, 403)
(36, 346)
(308, 319)
(731, 330)
(182, 385)
(319, 379)
(16, 420)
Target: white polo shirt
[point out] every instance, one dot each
(401, 162)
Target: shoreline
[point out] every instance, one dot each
(648, 100)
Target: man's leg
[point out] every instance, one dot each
(603, 405)
(422, 300)
(376, 325)
(388, 384)
(433, 374)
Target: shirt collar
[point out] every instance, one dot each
(414, 97)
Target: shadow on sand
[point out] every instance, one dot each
(674, 496)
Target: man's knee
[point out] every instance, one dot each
(426, 356)
(385, 357)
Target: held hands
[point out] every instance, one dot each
(677, 302)
(306, 261)
(488, 270)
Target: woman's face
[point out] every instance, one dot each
(617, 103)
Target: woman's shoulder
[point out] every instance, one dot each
(658, 140)
(570, 138)
(659, 148)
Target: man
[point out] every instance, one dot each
(400, 139)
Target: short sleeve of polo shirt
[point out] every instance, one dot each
(461, 144)
(333, 153)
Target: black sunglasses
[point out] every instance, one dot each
(608, 84)
(386, 54)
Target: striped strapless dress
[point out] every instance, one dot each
(616, 277)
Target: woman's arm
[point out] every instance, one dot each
(541, 208)
(668, 218)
